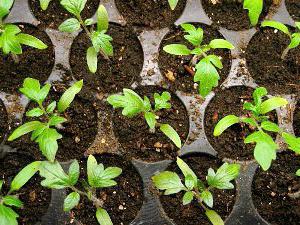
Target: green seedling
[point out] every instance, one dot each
(11, 37)
(173, 4)
(44, 130)
(206, 65)
(101, 41)
(195, 189)
(133, 105)
(9, 200)
(293, 144)
(97, 177)
(256, 118)
(294, 37)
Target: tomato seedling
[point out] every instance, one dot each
(97, 177)
(11, 36)
(133, 105)
(101, 41)
(293, 144)
(7, 215)
(265, 149)
(45, 133)
(206, 65)
(294, 37)
(195, 189)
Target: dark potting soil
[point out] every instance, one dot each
(33, 63)
(230, 144)
(230, 14)
(270, 191)
(36, 198)
(122, 202)
(297, 119)
(267, 68)
(170, 64)
(150, 13)
(193, 213)
(293, 7)
(78, 133)
(112, 75)
(56, 14)
(3, 121)
(135, 137)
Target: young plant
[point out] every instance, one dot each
(133, 105)
(293, 144)
(97, 177)
(45, 132)
(8, 200)
(173, 4)
(257, 120)
(206, 65)
(294, 37)
(11, 37)
(101, 41)
(195, 189)
(44, 4)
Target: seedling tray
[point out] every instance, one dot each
(197, 143)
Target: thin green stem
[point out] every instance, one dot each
(284, 53)
(199, 199)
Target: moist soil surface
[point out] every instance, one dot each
(193, 213)
(120, 71)
(3, 121)
(56, 14)
(230, 144)
(33, 63)
(230, 14)
(36, 198)
(175, 65)
(293, 7)
(270, 191)
(150, 13)
(297, 119)
(78, 132)
(122, 202)
(265, 65)
(135, 137)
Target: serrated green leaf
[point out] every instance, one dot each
(162, 101)
(103, 217)
(255, 8)
(220, 43)
(69, 25)
(171, 134)
(207, 198)
(102, 41)
(271, 104)
(177, 49)
(31, 41)
(111, 173)
(225, 123)
(102, 19)
(74, 172)
(74, 6)
(187, 198)
(69, 95)
(214, 217)
(276, 25)
(195, 37)
(215, 60)
(150, 119)
(10, 42)
(36, 112)
(24, 176)
(12, 201)
(71, 201)
(168, 181)
(24, 129)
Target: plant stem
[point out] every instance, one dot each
(97, 202)
(199, 199)
(285, 52)
(15, 58)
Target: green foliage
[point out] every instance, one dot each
(265, 149)
(207, 65)
(101, 41)
(45, 133)
(294, 37)
(293, 144)
(173, 3)
(254, 8)
(132, 105)
(170, 183)
(97, 177)
(8, 201)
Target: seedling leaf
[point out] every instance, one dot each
(12, 201)
(187, 198)
(71, 201)
(150, 119)
(185, 169)
(168, 181)
(102, 17)
(31, 41)
(173, 3)
(74, 6)
(171, 133)
(220, 43)
(224, 123)
(177, 49)
(276, 25)
(214, 218)
(24, 129)
(293, 142)
(103, 217)
(264, 153)
(8, 216)
(255, 8)
(271, 104)
(70, 25)
(92, 59)
(207, 198)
